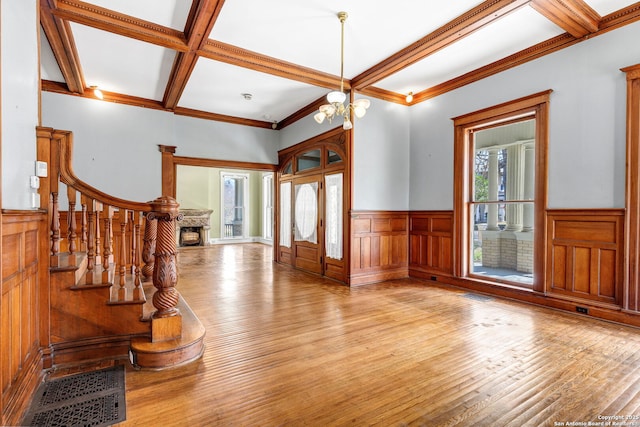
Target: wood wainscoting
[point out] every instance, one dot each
(585, 255)
(24, 299)
(379, 246)
(430, 244)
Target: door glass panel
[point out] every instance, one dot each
(285, 214)
(306, 212)
(309, 160)
(333, 157)
(333, 216)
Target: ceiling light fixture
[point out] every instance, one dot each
(409, 97)
(336, 99)
(97, 92)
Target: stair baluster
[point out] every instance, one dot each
(71, 224)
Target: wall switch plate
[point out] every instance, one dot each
(35, 200)
(34, 181)
(41, 169)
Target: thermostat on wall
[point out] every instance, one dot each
(41, 169)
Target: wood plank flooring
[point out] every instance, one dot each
(287, 348)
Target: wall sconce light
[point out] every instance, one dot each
(97, 92)
(409, 97)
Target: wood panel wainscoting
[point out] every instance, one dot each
(430, 244)
(24, 299)
(585, 256)
(379, 246)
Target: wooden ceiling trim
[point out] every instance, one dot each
(574, 16)
(181, 111)
(620, 18)
(117, 98)
(234, 55)
(202, 17)
(121, 24)
(384, 94)
(449, 33)
(63, 46)
(58, 87)
(541, 49)
(608, 23)
(302, 113)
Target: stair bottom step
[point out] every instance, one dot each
(145, 354)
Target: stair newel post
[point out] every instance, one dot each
(71, 224)
(149, 247)
(166, 321)
(122, 270)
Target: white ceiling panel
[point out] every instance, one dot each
(307, 32)
(218, 87)
(302, 33)
(516, 31)
(169, 13)
(49, 69)
(123, 65)
(605, 7)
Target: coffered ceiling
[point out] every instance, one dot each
(198, 57)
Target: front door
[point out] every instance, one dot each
(307, 223)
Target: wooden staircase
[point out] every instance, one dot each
(112, 290)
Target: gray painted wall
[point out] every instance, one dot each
(116, 145)
(20, 86)
(587, 123)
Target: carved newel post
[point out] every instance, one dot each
(166, 321)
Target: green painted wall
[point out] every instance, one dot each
(199, 188)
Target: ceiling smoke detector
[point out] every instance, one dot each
(246, 96)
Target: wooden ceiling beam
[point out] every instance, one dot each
(202, 17)
(574, 16)
(121, 24)
(234, 55)
(476, 18)
(63, 46)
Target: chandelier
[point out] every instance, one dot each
(336, 99)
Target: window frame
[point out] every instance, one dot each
(534, 106)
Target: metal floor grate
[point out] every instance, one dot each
(87, 399)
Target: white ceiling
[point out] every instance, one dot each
(304, 33)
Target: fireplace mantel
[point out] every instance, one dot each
(195, 219)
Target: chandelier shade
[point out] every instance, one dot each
(336, 98)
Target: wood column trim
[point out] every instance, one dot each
(168, 170)
(631, 299)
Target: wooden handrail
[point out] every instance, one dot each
(68, 177)
(113, 252)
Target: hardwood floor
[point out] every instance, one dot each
(287, 348)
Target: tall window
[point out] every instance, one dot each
(501, 192)
(502, 202)
(235, 196)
